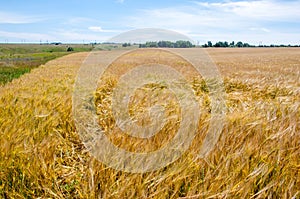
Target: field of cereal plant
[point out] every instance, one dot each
(257, 155)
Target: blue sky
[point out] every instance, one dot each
(266, 21)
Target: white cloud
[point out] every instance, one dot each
(226, 20)
(61, 35)
(77, 36)
(185, 19)
(96, 29)
(100, 29)
(148, 34)
(250, 21)
(13, 18)
(222, 14)
(260, 29)
(74, 21)
(263, 9)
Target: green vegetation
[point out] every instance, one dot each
(108, 46)
(7, 74)
(70, 49)
(209, 44)
(126, 44)
(18, 59)
(225, 44)
(167, 44)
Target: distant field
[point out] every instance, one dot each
(17, 59)
(257, 155)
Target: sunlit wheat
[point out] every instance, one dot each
(257, 155)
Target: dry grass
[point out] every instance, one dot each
(257, 155)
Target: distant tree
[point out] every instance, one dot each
(239, 44)
(209, 43)
(232, 44)
(183, 44)
(162, 44)
(226, 44)
(218, 44)
(246, 45)
(167, 44)
(221, 44)
(170, 44)
(152, 44)
(126, 44)
(69, 49)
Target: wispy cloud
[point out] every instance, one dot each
(222, 14)
(96, 29)
(14, 18)
(100, 29)
(60, 35)
(79, 21)
(75, 36)
(148, 34)
(225, 19)
(250, 21)
(260, 29)
(185, 18)
(263, 9)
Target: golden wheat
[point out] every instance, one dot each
(257, 155)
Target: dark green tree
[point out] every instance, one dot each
(246, 45)
(239, 44)
(69, 49)
(232, 44)
(209, 43)
(126, 44)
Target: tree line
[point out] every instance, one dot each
(167, 44)
(240, 44)
(209, 44)
(226, 44)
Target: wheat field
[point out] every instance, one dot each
(256, 156)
